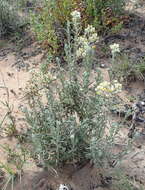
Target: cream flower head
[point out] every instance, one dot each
(114, 48)
(76, 16)
(107, 89)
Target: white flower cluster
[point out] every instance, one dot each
(83, 50)
(89, 30)
(86, 41)
(91, 34)
(76, 16)
(107, 89)
(114, 48)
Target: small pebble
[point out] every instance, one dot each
(142, 103)
(102, 65)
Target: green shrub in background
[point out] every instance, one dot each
(49, 23)
(10, 20)
(68, 119)
(104, 14)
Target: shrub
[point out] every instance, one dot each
(67, 118)
(124, 68)
(10, 21)
(49, 23)
(104, 13)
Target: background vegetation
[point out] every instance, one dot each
(50, 21)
